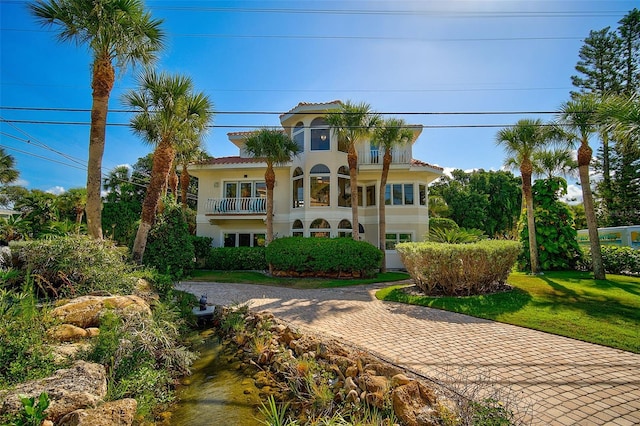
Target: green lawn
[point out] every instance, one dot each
(248, 277)
(566, 303)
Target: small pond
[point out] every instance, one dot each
(216, 393)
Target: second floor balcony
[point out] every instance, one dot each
(236, 206)
(375, 156)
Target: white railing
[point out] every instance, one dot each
(245, 205)
(375, 156)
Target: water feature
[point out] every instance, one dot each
(217, 393)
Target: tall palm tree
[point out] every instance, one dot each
(389, 134)
(183, 158)
(554, 162)
(521, 142)
(621, 115)
(580, 120)
(119, 33)
(276, 148)
(353, 123)
(168, 111)
(8, 171)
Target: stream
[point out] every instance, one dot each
(216, 393)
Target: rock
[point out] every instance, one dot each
(47, 423)
(413, 404)
(65, 351)
(399, 380)
(85, 311)
(83, 385)
(383, 369)
(374, 384)
(67, 333)
(351, 371)
(350, 385)
(353, 397)
(375, 399)
(114, 413)
(93, 331)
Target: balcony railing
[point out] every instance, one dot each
(245, 205)
(375, 156)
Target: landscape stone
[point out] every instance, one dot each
(113, 413)
(85, 311)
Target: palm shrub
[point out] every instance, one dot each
(442, 223)
(455, 235)
(459, 269)
(556, 236)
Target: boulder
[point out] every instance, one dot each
(114, 413)
(66, 351)
(83, 385)
(85, 311)
(414, 403)
(67, 333)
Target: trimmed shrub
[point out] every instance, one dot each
(459, 269)
(456, 235)
(323, 256)
(169, 245)
(74, 266)
(201, 249)
(236, 259)
(441, 223)
(616, 260)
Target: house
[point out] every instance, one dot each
(312, 195)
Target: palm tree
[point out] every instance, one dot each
(521, 142)
(387, 135)
(74, 201)
(554, 162)
(579, 118)
(192, 152)
(168, 112)
(276, 148)
(621, 114)
(353, 123)
(8, 172)
(120, 33)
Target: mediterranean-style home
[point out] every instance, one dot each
(312, 194)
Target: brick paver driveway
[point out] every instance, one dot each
(558, 381)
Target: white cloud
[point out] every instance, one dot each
(21, 182)
(56, 190)
(574, 195)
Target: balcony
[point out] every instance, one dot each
(236, 206)
(374, 156)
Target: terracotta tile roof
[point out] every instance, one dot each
(421, 163)
(301, 104)
(244, 133)
(230, 160)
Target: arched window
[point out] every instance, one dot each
(344, 228)
(320, 140)
(344, 187)
(320, 228)
(298, 188)
(320, 186)
(298, 136)
(297, 230)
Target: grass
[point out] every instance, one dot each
(566, 303)
(250, 277)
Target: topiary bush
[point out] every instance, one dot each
(169, 245)
(323, 257)
(616, 260)
(74, 266)
(436, 223)
(459, 269)
(236, 259)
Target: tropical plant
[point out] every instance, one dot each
(388, 135)
(169, 112)
(185, 155)
(353, 123)
(549, 163)
(73, 202)
(578, 117)
(119, 33)
(276, 148)
(8, 172)
(521, 142)
(455, 235)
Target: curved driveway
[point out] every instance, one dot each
(556, 380)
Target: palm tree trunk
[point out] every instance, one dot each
(382, 219)
(531, 224)
(270, 181)
(102, 83)
(352, 161)
(173, 182)
(184, 185)
(162, 161)
(584, 158)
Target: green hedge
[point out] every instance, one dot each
(616, 260)
(459, 269)
(324, 256)
(236, 259)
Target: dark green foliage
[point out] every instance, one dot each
(120, 221)
(23, 355)
(237, 259)
(74, 266)
(556, 236)
(324, 256)
(616, 260)
(624, 208)
(201, 248)
(456, 235)
(490, 201)
(169, 245)
(441, 223)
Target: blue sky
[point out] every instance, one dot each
(419, 57)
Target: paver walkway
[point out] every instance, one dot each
(557, 381)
